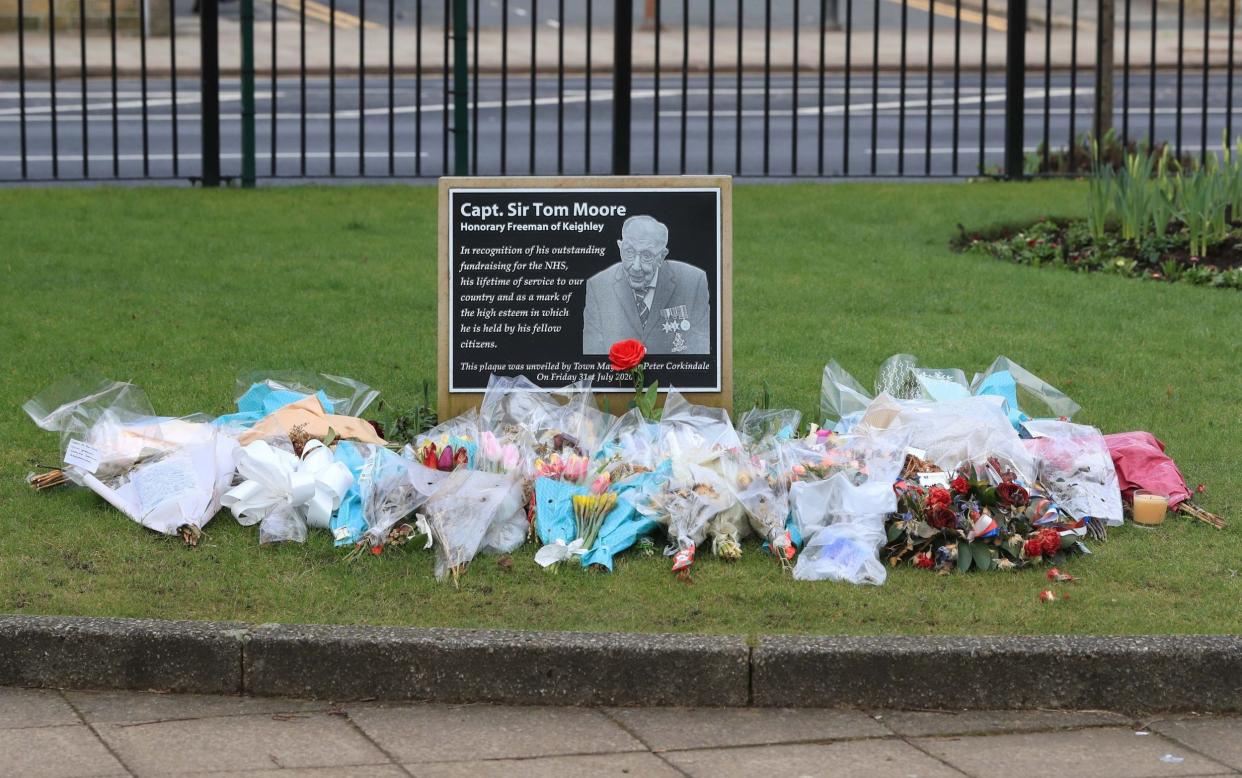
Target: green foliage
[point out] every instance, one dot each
(1090, 153)
(1149, 191)
(1201, 199)
(409, 424)
(1100, 199)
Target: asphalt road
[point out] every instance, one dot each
(567, 139)
(780, 14)
(491, 13)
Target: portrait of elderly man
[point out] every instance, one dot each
(660, 301)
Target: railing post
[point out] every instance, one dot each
(247, 93)
(622, 80)
(461, 90)
(209, 90)
(1015, 89)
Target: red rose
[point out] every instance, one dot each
(1033, 548)
(942, 518)
(626, 354)
(923, 561)
(961, 485)
(1012, 494)
(1050, 539)
(939, 497)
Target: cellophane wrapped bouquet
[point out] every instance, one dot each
(696, 499)
(167, 474)
(760, 478)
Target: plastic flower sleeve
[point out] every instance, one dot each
(751, 504)
(511, 410)
(841, 397)
(629, 447)
(941, 384)
(578, 418)
(896, 377)
(869, 463)
(842, 517)
(953, 434)
(110, 426)
(694, 496)
(342, 396)
(760, 475)
(1026, 393)
(1076, 467)
(175, 493)
(392, 488)
(463, 509)
(697, 426)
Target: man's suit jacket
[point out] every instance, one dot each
(611, 314)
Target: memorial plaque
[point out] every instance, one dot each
(540, 276)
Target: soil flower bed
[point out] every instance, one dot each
(1155, 216)
(1069, 244)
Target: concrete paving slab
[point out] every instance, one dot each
(599, 766)
(34, 708)
(354, 771)
(253, 742)
(872, 758)
(662, 729)
(121, 707)
(979, 722)
(1220, 739)
(446, 733)
(56, 752)
(1090, 753)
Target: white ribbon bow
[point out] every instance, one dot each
(554, 553)
(276, 481)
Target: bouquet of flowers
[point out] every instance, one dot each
(390, 489)
(982, 519)
(471, 511)
(699, 500)
(759, 475)
(841, 491)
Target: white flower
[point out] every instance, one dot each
(554, 553)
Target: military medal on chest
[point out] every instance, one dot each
(677, 322)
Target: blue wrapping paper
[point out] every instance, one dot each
(261, 400)
(1002, 384)
(348, 524)
(554, 520)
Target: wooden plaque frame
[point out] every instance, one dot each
(451, 404)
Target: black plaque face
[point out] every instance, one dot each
(543, 281)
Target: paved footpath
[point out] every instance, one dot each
(52, 733)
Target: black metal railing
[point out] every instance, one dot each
(213, 91)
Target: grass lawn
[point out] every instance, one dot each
(180, 291)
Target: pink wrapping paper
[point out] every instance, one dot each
(1142, 464)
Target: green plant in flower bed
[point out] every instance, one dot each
(1089, 153)
(1152, 217)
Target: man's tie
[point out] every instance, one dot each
(643, 310)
